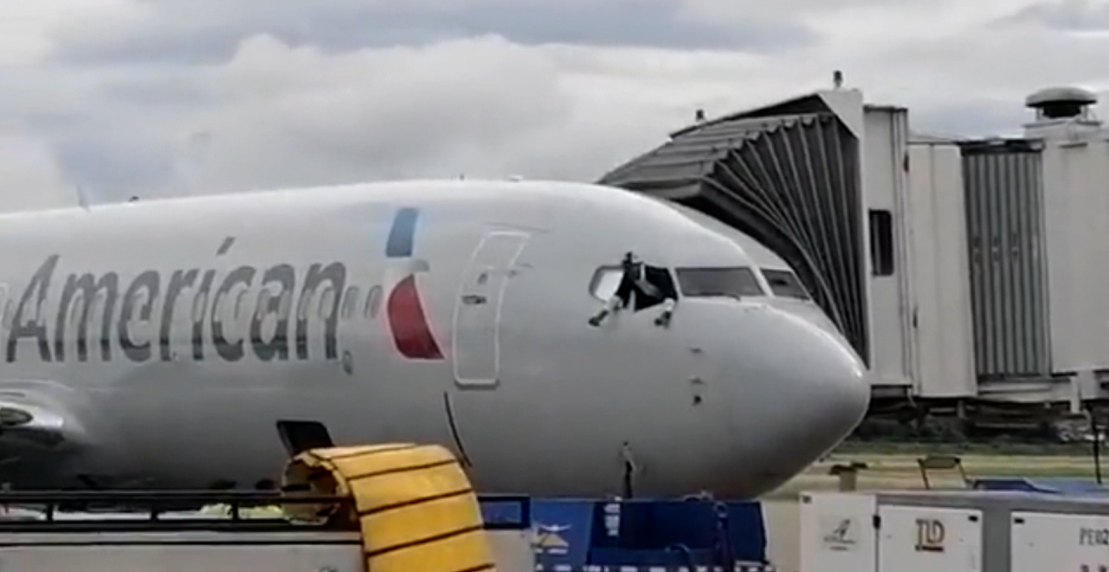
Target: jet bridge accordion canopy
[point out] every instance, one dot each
(787, 175)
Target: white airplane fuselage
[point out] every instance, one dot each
(157, 344)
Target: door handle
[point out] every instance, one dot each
(473, 299)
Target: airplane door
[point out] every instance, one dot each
(477, 309)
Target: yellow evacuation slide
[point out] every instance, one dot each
(414, 504)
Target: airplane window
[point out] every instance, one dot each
(239, 302)
(75, 309)
(663, 283)
(263, 302)
(95, 318)
(181, 307)
(326, 300)
(729, 282)
(137, 302)
(349, 302)
(302, 307)
(33, 312)
(218, 305)
(648, 286)
(605, 281)
(373, 301)
(199, 302)
(284, 304)
(785, 284)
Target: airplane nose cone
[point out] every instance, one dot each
(829, 384)
(817, 397)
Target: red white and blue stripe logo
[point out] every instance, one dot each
(412, 333)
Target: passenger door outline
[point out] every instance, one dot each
(476, 351)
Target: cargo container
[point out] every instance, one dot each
(956, 531)
(1048, 541)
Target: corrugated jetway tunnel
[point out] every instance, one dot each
(789, 176)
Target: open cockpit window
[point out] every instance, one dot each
(731, 282)
(632, 285)
(605, 282)
(785, 284)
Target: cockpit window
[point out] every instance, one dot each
(728, 282)
(606, 281)
(785, 284)
(649, 286)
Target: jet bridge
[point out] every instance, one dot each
(790, 176)
(823, 180)
(968, 274)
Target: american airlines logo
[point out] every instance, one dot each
(277, 329)
(411, 331)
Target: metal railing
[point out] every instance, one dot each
(135, 510)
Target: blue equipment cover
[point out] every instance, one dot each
(1068, 487)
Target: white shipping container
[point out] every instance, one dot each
(853, 532)
(837, 533)
(953, 531)
(1059, 542)
(924, 539)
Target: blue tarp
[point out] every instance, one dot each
(1068, 487)
(578, 533)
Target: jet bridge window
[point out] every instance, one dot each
(785, 284)
(735, 282)
(881, 243)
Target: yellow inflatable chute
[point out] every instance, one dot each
(413, 503)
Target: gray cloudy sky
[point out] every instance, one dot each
(161, 97)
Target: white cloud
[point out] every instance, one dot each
(30, 176)
(269, 109)
(29, 30)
